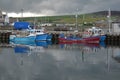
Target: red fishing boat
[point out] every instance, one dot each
(91, 35)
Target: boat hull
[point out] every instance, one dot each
(102, 38)
(83, 40)
(43, 37)
(95, 39)
(25, 39)
(49, 37)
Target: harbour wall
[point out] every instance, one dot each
(4, 37)
(112, 40)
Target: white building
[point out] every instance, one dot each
(115, 27)
(4, 19)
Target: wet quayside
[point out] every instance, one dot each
(60, 62)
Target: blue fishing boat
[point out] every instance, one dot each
(32, 34)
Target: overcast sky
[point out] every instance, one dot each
(56, 7)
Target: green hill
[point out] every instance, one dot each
(89, 18)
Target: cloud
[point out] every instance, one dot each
(58, 7)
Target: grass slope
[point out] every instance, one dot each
(89, 18)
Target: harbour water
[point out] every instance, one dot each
(60, 62)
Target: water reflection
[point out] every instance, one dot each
(29, 49)
(84, 47)
(21, 49)
(112, 51)
(116, 54)
(101, 44)
(36, 47)
(32, 43)
(60, 62)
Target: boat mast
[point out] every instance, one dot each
(22, 14)
(109, 20)
(76, 19)
(76, 16)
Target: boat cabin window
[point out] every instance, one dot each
(37, 31)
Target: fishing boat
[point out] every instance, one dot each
(40, 34)
(91, 35)
(97, 32)
(34, 35)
